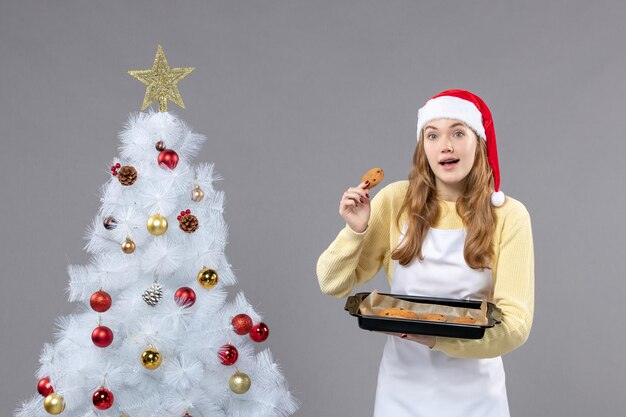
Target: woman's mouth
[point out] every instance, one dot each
(449, 163)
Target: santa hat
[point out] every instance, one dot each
(472, 110)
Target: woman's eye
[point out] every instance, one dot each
(432, 136)
(459, 132)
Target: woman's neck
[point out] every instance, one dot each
(449, 192)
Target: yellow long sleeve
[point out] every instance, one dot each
(513, 293)
(354, 258)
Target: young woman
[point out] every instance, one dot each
(446, 232)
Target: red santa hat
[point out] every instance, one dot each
(472, 110)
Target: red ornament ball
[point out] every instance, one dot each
(100, 301)
(168, 158)
(103, 399)
(228, 354)
(102, 336)
(260, 332)
(242, 324)
(185, 297)
(44, 387)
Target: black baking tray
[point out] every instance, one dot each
(430, 328)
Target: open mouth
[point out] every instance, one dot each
(449, 162)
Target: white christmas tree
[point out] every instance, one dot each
(154, 333)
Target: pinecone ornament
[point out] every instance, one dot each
(187, 221)
(127, 175)
(153, 295)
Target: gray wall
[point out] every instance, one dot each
(298, 99)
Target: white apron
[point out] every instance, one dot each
(415, 381)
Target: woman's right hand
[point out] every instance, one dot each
(354, 207)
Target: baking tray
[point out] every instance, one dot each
(430, 328)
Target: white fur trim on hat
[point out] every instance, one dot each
(449, 107)
(497, 198)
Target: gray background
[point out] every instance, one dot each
(298, 99)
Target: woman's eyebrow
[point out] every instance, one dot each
(454, 125)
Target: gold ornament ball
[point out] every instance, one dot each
(128, 246)
(207, 278)
(239, 383)
(197, 194)
(54, 404)
(151, 358)
(157, 224)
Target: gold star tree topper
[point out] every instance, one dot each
(161, 81)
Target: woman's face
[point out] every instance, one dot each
(450, 140)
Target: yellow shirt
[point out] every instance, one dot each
(355, 258)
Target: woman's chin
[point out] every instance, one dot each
(451, 180)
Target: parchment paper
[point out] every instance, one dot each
(375, 303)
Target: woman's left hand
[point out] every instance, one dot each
(419, 338)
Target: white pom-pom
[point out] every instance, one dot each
(497, 198)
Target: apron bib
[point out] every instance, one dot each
(415, 381)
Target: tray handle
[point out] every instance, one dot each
(352, 305)
(496, 314)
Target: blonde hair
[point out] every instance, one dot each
(473, 206)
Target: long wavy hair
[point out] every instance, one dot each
(473, 206)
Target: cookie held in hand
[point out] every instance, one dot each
(374, 176)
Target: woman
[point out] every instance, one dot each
(446, 232)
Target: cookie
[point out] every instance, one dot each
(397, 313)
(432, 317)
(374, 176)
(464, 320)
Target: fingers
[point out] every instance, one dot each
(356, 196)
(346, 206)
(402, 335)
(353, 197)
(363, 192)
